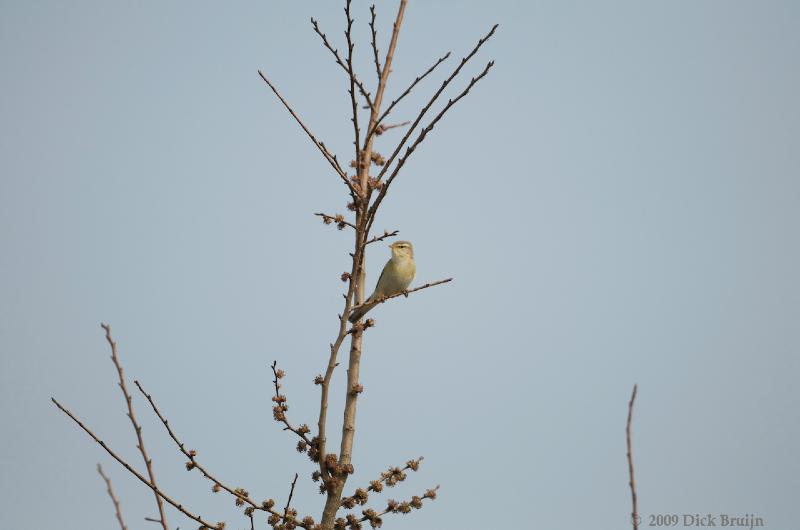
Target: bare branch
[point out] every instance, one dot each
(632, 483)
(114, 499)
(289, 500)
(352, 75)
(240, 494)
(445, 83)
(436, 95)
(407, 91)
(136, 427)
(385, 235)
(156, 490)
(341, 63)
(374, 41)
(321, 146)
(404, 293)
(383, 128)
(423, 133)
(338, 219)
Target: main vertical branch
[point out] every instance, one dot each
(356, 296)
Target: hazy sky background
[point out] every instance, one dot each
(617, 201)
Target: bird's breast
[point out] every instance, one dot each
(398, 276)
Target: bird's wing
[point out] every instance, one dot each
(380, 287)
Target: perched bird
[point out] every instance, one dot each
(397, 275)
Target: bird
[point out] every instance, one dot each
(397, 275)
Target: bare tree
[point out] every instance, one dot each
(366, 194)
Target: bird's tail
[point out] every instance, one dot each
(361, 311)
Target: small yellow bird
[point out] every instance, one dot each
(397, 275)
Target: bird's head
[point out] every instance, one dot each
(402, 249)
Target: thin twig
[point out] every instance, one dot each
(331, 158)
(289, 500)
(436, 95)
(280, 399)
(338, 219)
(404, 293)
(391, 477)
(393, 506)
(374, 41)
(191, 454)
(385, 235)
(408, 90)
(156, 490)
(383, 128)
(352, 75)
(136, 427)
(114, 499)
(632, 483)
(373, 209)
(341, 63)
(423, 133)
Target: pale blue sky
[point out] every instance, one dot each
(617, 201)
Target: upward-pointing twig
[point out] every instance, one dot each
(373, 209)
(423, 133)
(289, 500)
(408, 91)
(349, 35)
(114, 499)
(136, 427)
(340, 62)
(374, 41)
(632, 483)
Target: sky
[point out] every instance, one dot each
(617, 202)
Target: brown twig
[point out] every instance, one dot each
(114, 499)
(632, 482)
(374, 41)
(352, 75)
(280, 400)
(373, 209)
(424, 132)
(341, 63)
(191, 454)
(289, 500)
(156, 490)
(436, 95)
(404, 293)
(408, 91)
(132, 416)
(331, 158)
(338, 219)
(383, 128)
(386, 234)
